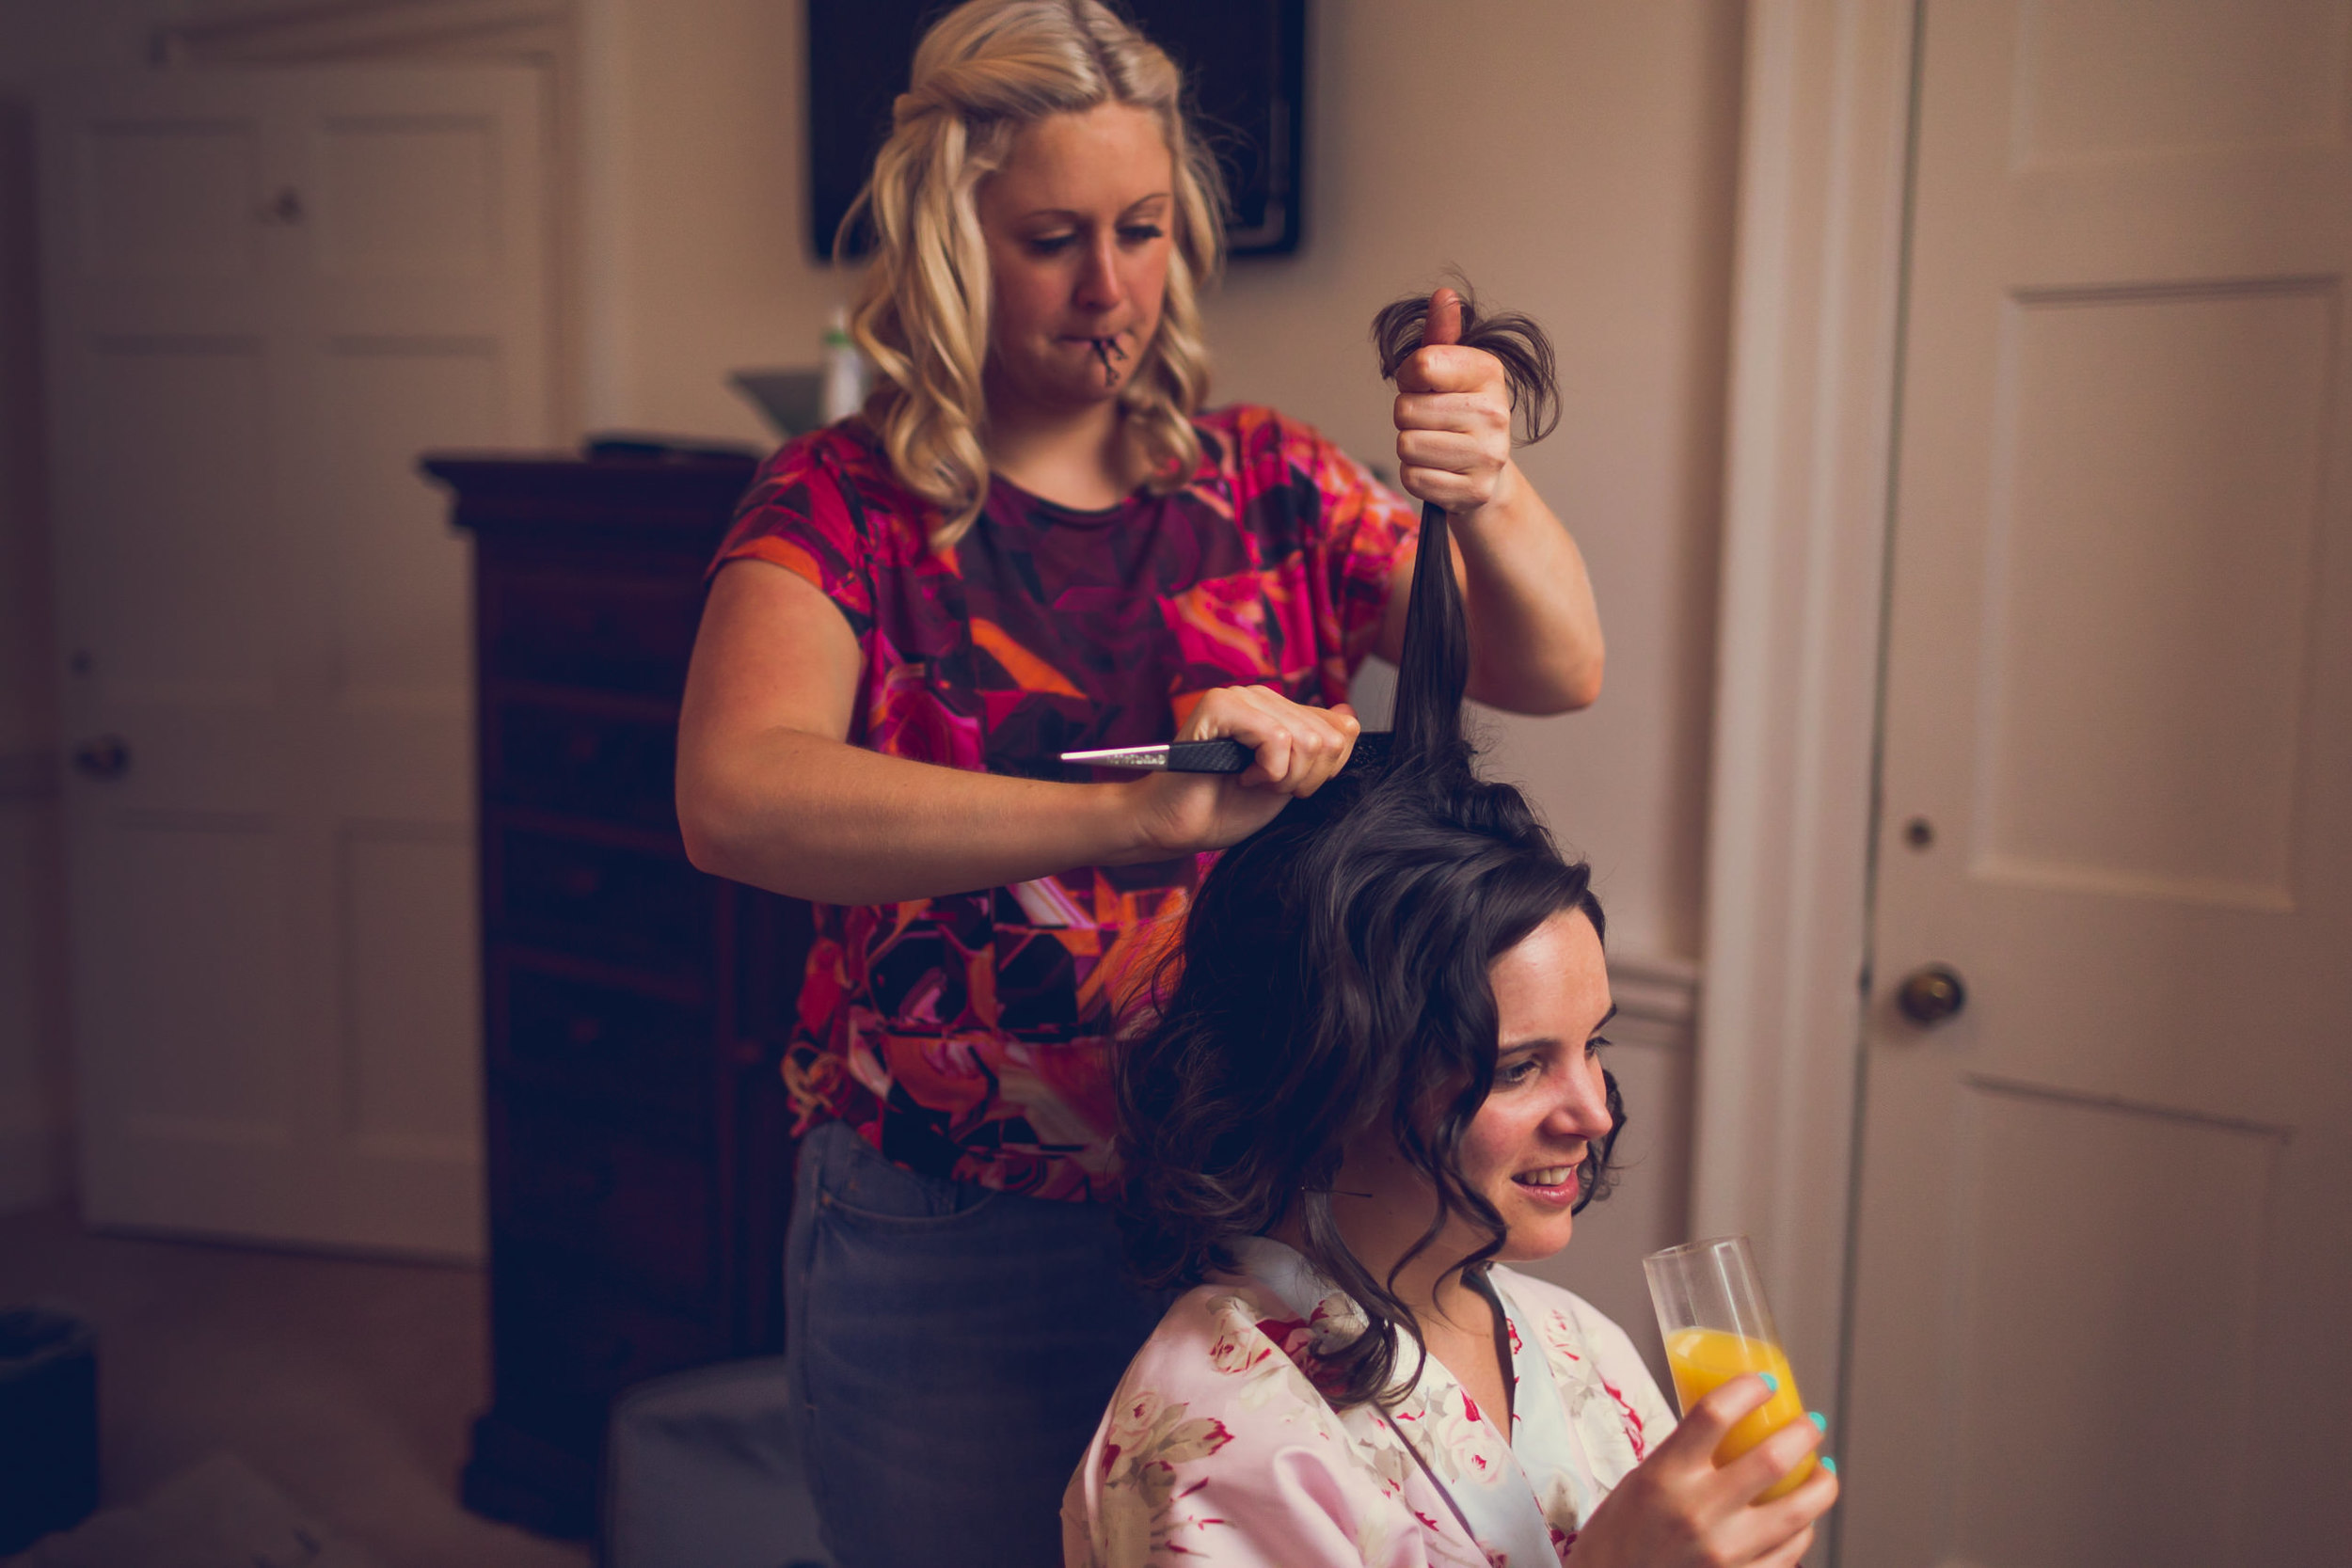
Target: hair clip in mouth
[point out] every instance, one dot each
(1107, 350)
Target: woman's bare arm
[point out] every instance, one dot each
(770, 791)
(1535, 642)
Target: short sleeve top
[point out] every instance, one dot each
(965, 1036)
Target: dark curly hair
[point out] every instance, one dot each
(1333, 974)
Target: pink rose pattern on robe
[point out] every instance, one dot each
(1285, 1479)
(965, 1036)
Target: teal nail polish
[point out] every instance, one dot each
(1830, 1465)
(1820, 1422)
(1771, 1384)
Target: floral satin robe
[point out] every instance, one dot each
(1218, 1448)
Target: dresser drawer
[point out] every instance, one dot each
(638, 1211)
(546, 757)
(633, 903)
(566, 1345)
(620, 1046)
(602, 631)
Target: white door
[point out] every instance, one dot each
(2105, 1249)
(266, 293)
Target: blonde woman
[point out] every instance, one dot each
(1035, 539)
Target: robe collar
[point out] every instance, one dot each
(1493, 1485)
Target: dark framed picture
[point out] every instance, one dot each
(1245, 70)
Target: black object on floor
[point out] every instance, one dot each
(48, 1424)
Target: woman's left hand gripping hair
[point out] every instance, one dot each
(1453, 416)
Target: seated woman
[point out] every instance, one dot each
(1375, 1075)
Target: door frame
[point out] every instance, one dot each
(1809, 467)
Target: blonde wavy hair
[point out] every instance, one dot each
(981, 72)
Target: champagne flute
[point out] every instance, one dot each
(1716, 1324)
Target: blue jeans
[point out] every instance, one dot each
(950, 1350)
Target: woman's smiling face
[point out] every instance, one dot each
(1077, 225)
(1548, 1102)
(1522, 1150)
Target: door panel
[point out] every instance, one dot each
(169, 196)
(398, 971)
(2149, 1266)
(2101, 1232)
(2157, 466)
(401, 631)
(2134, 77)
(408, 196)
(195, 959)
(268, 292)
(164, 491)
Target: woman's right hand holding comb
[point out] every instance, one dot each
(1298, 749)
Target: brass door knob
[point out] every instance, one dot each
(1931, 993)
(106, 756)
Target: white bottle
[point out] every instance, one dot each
(843, 392)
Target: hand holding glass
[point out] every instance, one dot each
(1712, 1315)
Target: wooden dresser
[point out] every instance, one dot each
(639, 1161)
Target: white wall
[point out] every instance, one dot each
(698, 261)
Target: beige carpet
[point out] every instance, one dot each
(219, 1515)
(342, 1386)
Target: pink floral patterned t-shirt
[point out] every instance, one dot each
(965, 1036)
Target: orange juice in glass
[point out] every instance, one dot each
(1713, 1318)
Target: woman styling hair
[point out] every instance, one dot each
(1034, 540)
(1375, 1073)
